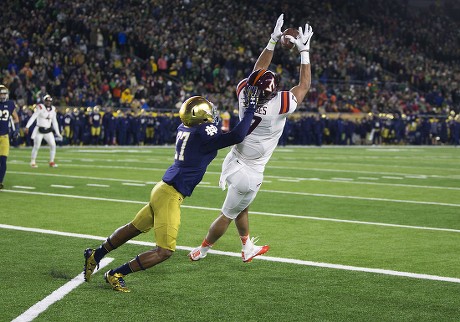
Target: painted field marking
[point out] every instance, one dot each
(61, 186)
(413, 176)
(268, 176)
(162, 169)
(289, 180)
(57, 295)
(391, 177)
(368, 178)
(133, 184)
(72, 176)
(266, 258)
(24, 187)
(343, 179)
(252, 212)
(97, 185)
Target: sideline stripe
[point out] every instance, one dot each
(252, 212)
(57, 295)
(267, 258)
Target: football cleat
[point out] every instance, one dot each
(116, 281)
(53, 165)
(90, 263)
(33, 165)
(1, 186)
(253, 251)
(196, 254)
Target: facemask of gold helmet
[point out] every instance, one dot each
(197, 110)
(3, 93)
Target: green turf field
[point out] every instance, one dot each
(362, 234)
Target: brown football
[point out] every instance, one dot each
(285, 42)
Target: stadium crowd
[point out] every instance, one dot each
(137, 60)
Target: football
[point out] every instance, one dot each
(285, 42)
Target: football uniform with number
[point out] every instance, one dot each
(45, 115)
(6, 110)
(196, 147)
(46, 119)
(243, 167)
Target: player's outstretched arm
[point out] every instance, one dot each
(266, 56)
(302, 43)
(239, 132)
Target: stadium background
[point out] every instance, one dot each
(382, 71)
(390, 209)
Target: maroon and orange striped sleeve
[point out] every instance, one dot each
(284, 102)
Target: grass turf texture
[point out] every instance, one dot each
(299, 182)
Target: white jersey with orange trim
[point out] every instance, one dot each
(45, 119)
(266, 129)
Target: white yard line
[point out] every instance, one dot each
(267, 258)
(364, 198)
(252, 212)
(273, 177)
(62, 186)
(133, 184)
(97, 185)
(24, 187)
(300, 169)
(266, 181)
(57, 295)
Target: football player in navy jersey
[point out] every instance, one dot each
(197, 141)
(95, 120)
(7, 110)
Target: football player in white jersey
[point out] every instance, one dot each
(243, 167)
(45, 115)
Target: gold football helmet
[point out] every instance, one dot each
(3, 93)
(197, 110)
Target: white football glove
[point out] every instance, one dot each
(302, 41)
(276, 34)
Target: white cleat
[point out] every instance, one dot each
(251, 252)
(53, 165)
(196, 254)
(33, 165)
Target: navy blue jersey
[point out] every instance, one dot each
(6, 110)
(95, 119)
(196, 147)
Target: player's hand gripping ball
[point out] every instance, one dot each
(286, 43)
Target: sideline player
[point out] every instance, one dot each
(197, 141)
(45, 114)
(7, 110)
(244, 165)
